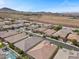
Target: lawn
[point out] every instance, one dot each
(1, 45)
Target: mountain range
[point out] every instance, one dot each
(9, 10)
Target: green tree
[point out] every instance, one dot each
(58, 27)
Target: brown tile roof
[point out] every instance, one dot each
(73, 36)
(49, 32)
(44, 50)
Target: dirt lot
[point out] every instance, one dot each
(67, 21)
(53, 19)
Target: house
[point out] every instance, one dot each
(7, 27)
(26, 24)
(1, 20)
(49, 32)
(17, 25)
(33, 26)
(28, 43)
(73, 36)
(66, 54)
(20, 25)
(47, 25)
(40, 30)
(16, 38)
(2, 32)
(2, 54)
(7, 22)
(43, 50)
(8, 33)
(2, 23)
(21, 21)
(63, 33)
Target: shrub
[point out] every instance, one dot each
(18, 58)
(11, 46)
(77, 31)
(55, 37)
(25, 57)
(1, 44)
(75, 43)
(57, 27)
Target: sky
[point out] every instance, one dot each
(42, 5)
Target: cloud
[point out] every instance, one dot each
(68, 3)
(65, 2)
(24, 7)
(2, 3)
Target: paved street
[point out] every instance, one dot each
(58, 43)
(62, 44)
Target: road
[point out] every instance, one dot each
(63, 44)
(56, 42)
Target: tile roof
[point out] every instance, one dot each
(63, 32)
(73, 36)
(49, 32)
(28, 43)
(15, 38)
(9, 33)
(44, 50)
(40, 30)
(66, 54)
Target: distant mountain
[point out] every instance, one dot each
(5, 9)
(72, 14)
(9, 10)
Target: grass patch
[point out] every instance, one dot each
(1, 45)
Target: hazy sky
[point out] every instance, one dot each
(42, 5)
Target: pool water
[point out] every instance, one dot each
(9, 54)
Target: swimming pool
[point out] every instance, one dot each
(10, 54)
